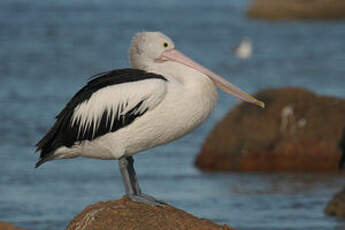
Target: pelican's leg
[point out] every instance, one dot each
(123, 165)
(133, 175)
(132, 187)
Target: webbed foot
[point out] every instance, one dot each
(146, 199)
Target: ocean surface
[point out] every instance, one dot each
(48, 50)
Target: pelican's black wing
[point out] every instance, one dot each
(63, 133)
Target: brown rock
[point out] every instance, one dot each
(7, 226)
(297, 9)
(127, 215)
(297, 131)
(336, 206)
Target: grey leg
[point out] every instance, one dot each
(123, 165)
(133, 175)
(131, 183)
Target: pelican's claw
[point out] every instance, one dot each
(146, 199)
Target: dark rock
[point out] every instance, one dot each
(125, 214)
(297, 131)
(336, 206)
(297, 9)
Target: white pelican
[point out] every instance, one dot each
(244, 49)
(122, 112)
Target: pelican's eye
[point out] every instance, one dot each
(165, 45)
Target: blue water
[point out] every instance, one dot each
(48, 49)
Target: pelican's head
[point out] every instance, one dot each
(154, 47)
(147, 47)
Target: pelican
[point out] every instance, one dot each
(164, 96)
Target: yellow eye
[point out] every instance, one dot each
(165, 45)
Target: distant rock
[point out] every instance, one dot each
(125, 214)
(297, 131)
(336, 206)
(297, 9)
(7, 226)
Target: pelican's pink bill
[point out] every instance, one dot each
(175, 55)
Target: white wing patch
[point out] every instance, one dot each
(118, 100)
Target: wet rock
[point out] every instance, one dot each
(297, 131)
(336, 206)
(7, 226)
(297, 9)
(125, 214)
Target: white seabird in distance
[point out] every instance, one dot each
(122, 112)
(244, 49)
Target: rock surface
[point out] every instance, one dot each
(297, 9)
(127, 215)
(7, 226)
(297, 131)
(336, 206)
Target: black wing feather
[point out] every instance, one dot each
(64, 134)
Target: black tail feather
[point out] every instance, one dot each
(41, 161)
(47, 145)
(51, 141)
